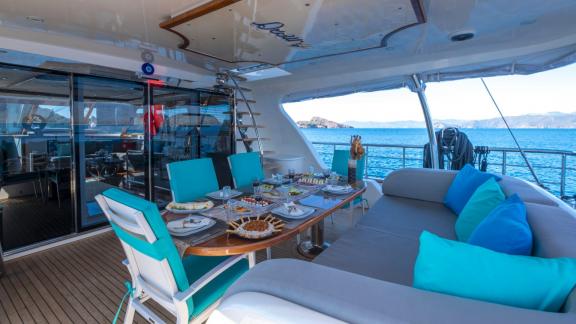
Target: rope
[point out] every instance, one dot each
(513, 136)
(129, 292)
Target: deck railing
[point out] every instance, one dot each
(556, 169)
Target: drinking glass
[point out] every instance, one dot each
(227, 191)
(333, 180)
(291, 174)
(257, 189)
(284, 191)
(311, 170)
(327, 173)
(229, 208)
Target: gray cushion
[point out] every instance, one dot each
(527, 191)
(358, 299)
(421, 184)
(373, 254)
(554, 230)
(408, 218)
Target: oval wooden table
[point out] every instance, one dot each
(224, 244)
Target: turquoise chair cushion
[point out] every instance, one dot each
(485, 199)
(197, 266)
(246, 167)
(163, 248)
(192, 179)
(464, 270)
(505, 229)
(463, 187)
(340, 166)
(185, 271)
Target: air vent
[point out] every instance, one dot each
(462, 36)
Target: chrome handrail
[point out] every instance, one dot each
(503, 161)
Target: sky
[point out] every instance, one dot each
(550, 91)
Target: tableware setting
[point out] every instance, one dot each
(225, 193)
(189, 225)
(277, 179)
(338, 189)
(255, 228)
(293, 211)
(197, 206)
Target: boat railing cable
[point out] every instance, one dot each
(513, 136)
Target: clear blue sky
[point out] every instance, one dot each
(550, 91)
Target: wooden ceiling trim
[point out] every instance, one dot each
(200, 11)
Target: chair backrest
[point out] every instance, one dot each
(340, 164)
(153, 260)
(192, 179)
(245, 168)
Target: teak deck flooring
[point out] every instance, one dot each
(82, 282)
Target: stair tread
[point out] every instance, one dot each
(252, 139)
(251, 126)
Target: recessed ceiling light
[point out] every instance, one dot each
(3, 78)
(35, 19)
(462, 36)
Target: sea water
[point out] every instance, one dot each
(381, 161)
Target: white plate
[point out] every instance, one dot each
(338, 190)
(182, 227)
(275, 181)
(281, 211)
(187, 211)
(217, 194)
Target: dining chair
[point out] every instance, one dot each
(340, 166)
(245, 167)
(191, 179)
(189, 288)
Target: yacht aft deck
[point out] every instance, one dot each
(82, 282)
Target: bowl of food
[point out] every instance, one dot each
(251, 201)
(255, 228)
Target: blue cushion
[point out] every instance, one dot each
(485, 199)
(469, 271)
(463, 186)
(245, 167)
(192, 179)
(505, 229)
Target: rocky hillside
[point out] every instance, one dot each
(319, 122)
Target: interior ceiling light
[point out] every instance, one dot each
(462, 36)
(35, 19)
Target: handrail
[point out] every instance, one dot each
(502, 160)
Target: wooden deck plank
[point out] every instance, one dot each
(39, 289)
(7, 305)
(29, 302)
(72, 308)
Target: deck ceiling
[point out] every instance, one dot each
(276, 32)
(334, 36)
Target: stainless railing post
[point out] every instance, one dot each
(419, 87)
(563, 176)
(503, 162)
(403, 157)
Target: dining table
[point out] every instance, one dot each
(216, 241)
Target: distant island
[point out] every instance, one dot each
(319, 122)
(549, 120)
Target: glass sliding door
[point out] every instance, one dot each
(35, 157)
(109, 137)
(188, 124)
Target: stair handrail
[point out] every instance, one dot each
(239, 89)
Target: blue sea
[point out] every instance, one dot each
(381, 161)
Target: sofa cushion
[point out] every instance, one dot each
(358, 299)
(408, 218)
(373, 254)
(527, 191)
(463, 187)
(470, 271)
(421, 184)
(505, 229)
(485, 199)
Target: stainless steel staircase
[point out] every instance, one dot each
(247, 130)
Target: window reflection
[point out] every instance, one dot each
(109, 130)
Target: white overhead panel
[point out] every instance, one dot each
(276, 32)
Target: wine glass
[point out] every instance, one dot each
(291, 174)
(257, 189)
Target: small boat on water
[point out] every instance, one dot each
(110, 111)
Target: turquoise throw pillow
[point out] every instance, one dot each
(505, 229)
(469, 271)
(487, 197)
(463, 187)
